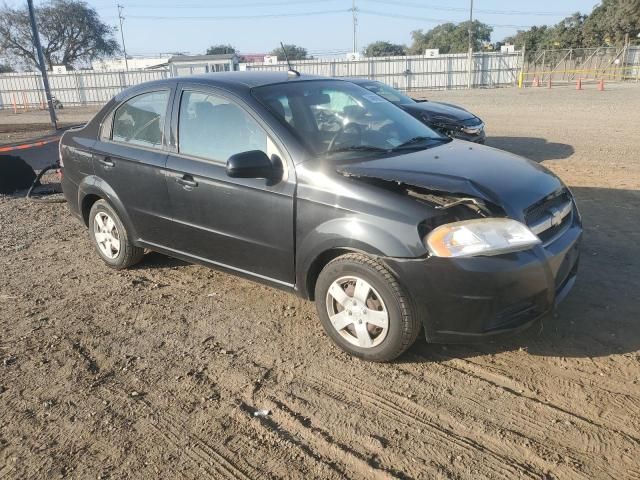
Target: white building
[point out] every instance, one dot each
(135, 63)
(194, 64)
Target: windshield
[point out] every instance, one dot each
(385, 91)
(337, 119)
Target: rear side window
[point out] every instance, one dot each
(215, 128)
(140, 120)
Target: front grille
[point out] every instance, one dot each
(551, 216)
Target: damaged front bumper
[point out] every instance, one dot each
(465, 300)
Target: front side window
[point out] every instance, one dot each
(214, 128)
(140, 120)
(338, 119)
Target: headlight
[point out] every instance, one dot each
(474, 130)
(486, 236)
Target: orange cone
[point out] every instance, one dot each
(601, 85)
(536, 83)
(579, 84)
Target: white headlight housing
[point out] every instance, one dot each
(485, 236)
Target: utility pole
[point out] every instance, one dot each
(469, 80)
(354, 13)
(124, 48)
(41, 64)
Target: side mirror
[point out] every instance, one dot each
(251, 164)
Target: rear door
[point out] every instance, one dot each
(243, 224)
(130, 156)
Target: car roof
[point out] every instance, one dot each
(240, 82)
(251, 79)
(360, 81)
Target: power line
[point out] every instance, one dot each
(231, 5)
(430, 20)
(237, 17)
(463, 9)
(383, 2)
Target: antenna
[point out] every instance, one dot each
(291, 72)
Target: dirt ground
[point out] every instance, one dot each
(156, 372)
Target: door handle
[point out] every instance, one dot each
(106, 162)
(187, 181)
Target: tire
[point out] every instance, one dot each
(110, 238)
(355, 274)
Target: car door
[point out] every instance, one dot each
(130, 156)
(243, 224)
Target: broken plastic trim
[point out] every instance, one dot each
(465, 201)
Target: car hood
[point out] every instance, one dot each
(439, 111)
(509, 181)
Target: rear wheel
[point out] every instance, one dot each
(110, 238)
(364, 309)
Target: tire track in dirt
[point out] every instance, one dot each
(408, 414)
(328, 446)
(607, 388)
(176, 435)
(370, 436)
(499, 380)
(589, 439)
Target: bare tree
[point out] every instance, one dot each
(70, 32)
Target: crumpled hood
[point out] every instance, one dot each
(439, 111)
(510, 181)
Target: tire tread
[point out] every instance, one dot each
(411, 325)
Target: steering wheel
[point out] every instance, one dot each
(339, 134)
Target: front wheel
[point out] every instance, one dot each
(364, 309)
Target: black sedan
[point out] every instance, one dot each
(318, 186)
(452, 120)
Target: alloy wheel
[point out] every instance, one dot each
(357, 312)
(106, 235)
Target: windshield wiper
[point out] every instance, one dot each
(415, 141)
(358, 148)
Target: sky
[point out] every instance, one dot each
(323, 27)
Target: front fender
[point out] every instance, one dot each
(93, 185)
(356, 235)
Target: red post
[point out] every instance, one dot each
(579, 84)
(549, 82)
(601, 85)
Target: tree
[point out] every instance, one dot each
(70, 32)
(536, 38)
(384, 49)
(221, 49)
(4, 68)
(294, 52)
(612, 22)
(450, 38)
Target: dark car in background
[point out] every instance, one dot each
(319, 187)
(452, 120)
